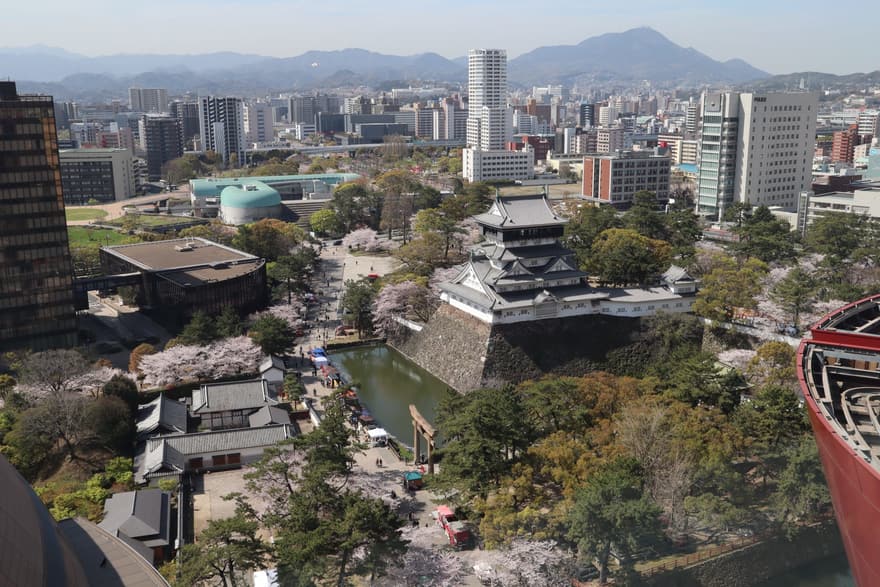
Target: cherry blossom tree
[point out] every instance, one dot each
(441, 275)
(224, 358)
(537, 563)
(406, 299)
(424, 563)
(293, 313)
(364, 239)
(737, 358)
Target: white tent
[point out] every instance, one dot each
(320, 360)
(378, 436)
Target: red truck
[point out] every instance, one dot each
(457, 531)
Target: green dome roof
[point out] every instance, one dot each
(251, 194)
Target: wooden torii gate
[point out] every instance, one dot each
(421, 427)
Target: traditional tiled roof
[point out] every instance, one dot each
(272, 361)
(161, 413)
(268, 415)
(141, 515)
(232, 395)
(520, 212)
(172, 452)
(676, 274)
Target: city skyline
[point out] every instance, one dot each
(781, 39)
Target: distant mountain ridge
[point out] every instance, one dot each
(637, 54)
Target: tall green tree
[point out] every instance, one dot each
(229, 323)
(622, 256)
(729, 287)
(613, 510)
(200, 330)
(837, 234)
(795, 294)
(435, 220)
(123, 388)
(273, 335)
(290, 274)
(484, 431)
(225, 551)
(801, 491)
(644, 218)
(586, 226)
(355, 204)
(325, 222)
(684, 232)
(764, 237)
(357, 303)
(268, 238)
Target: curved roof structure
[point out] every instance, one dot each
(35, 550)
(249, 194)
(839, 375)
(212, 187)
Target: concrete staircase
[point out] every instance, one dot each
(299, 211)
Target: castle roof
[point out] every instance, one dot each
(508, 212)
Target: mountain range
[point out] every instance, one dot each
(631, 56)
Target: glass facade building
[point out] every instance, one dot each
(36, 274)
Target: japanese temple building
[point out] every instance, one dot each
(521, 272)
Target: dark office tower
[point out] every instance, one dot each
(188, 115)
(587, 115)
(36, 275)
(162, 140)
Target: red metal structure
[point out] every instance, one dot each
(838, 367)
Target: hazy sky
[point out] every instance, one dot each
(779, 36)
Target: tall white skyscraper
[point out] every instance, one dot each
(221, 124)
(490, 125)
(755, 149)
(490, 122)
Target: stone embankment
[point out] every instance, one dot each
(467, 353)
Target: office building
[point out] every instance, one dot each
(162, 140)
(616, 178)
(188, 114)
(490, 122)
(258, 122)
(587, 115)
(755, 148)
(221, 126)
(148, 100)
(36, 274)
(103, 175)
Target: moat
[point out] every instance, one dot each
(387, 384)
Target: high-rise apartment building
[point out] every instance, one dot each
(36, 274)
(843, 145)
(188, 114)
(148, 99)
(258, 122)
(161, 138)
(489, 125)
(221, 125)
(869, 124)
(755, 148)
(490, 122)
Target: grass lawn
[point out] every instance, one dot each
(82, 236)
(147, 221)
(84, 213)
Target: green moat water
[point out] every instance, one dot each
(387, 384)
(830, 572)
